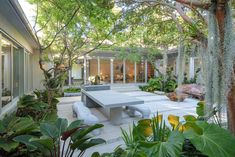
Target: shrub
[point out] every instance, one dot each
(72, 90)
(161, 84)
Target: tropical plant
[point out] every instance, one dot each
(43, 96)
(30, 106)
(161, 83)
(189, 138)
(11, 127)
(60, 139)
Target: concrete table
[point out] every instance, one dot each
(112, 103)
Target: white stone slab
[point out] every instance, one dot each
(139, 93)
(153, 98)
(110, 99)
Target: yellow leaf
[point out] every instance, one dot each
(173, 120)
(148, 131)
(144, 122)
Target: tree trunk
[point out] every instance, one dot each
(220, 14)
(231, 108)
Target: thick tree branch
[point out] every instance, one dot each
(195, 3)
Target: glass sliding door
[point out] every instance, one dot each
(93, 67)
(16, 72)
(6, 73)
(118, 71)
(140, 72)
(105, 70)
(21, 71)
(130, 72)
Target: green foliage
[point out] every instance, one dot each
(192, 138)
(30, 106)
(213, 142)
(161, 83)
(55, 133)
(12, 126)
(72, 90)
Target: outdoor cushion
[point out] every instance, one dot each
(142, 108)
(83, 113)
(79, 108)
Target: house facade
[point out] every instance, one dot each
(111, 69)
(19, 70)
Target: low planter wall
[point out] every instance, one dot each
(95, 87)
(159, 92)
(72, 94)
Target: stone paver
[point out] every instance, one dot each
(112, 134)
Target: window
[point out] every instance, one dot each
(105, 70)
(93, 67)
(6, 73)
(118, 71)
(140, 71)
(12, 69)
(130, 72)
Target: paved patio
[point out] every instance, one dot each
(111, 133)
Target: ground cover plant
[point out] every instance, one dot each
(72, 90)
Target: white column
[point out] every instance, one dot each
(165, 60)
(70, 76)
(146, 71)
(191, 68)
(124, 71)
(84, 73)
(111, 71)
(88, 68)
(0, 72)
(98, 66)
(135, 72)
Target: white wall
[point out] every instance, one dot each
(12, 31)
(37, 72)
(77, 71)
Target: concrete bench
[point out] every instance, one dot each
(143, 109)
(81, 112)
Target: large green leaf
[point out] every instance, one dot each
(43, 142)
(8, 146)
(200, 109)
(91, 143)
(79, 142)
(170, 148)
(23, 125)
(25, 139)
(49, 130)
(75, 124)
(61, 125)
(84, 132)
(214, 141)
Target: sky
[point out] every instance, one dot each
(28, 10)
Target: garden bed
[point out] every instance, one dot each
(72, 91)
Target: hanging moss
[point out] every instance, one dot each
(180, 63)
(219, 61)
(202, 57)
